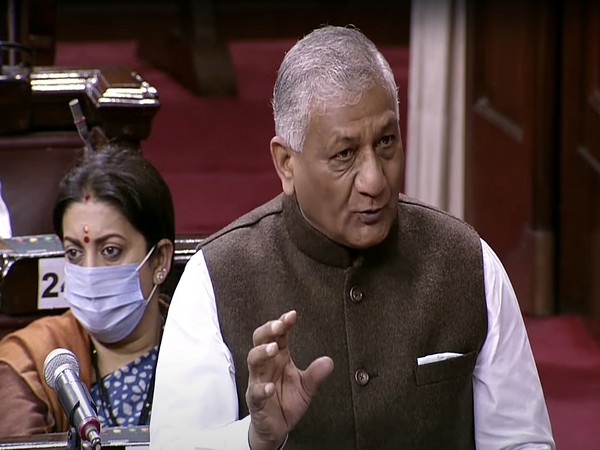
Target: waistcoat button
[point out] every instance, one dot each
(362, 377)
(356, 295)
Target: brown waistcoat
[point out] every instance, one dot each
(374, 312)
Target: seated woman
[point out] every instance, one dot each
(114, 214)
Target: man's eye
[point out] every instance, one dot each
(386, 140)
(344, 154)
(386, 147)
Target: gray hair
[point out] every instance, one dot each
(331, 66)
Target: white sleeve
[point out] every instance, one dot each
(195, 399)
(5, 229)
(510, 410)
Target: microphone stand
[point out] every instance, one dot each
(73, 439)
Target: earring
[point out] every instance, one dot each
(160, 276)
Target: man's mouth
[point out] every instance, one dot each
(371, 216)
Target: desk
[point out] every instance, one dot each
(118, 438)
(19, 284)
(44, 144)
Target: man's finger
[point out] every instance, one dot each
(260, 361)
(316, 373)
(257, 393)
(275, 330)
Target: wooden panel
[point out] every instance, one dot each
(31, 23)
(511, 150)
(384, 21)
(189, 39)
(579, 257)
(31, 169)
(115, 100)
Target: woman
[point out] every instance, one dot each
(114, 214)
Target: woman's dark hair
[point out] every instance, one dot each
(123, 178)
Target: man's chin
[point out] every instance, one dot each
(369, 236)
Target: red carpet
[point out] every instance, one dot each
(568, 360)
(214, 155)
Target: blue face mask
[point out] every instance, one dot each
(108, 301)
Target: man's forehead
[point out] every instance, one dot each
(324, 105)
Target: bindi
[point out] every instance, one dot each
(87, 197)
(86, 230)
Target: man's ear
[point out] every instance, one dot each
(283, 157)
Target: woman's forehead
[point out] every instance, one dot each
(93, 216)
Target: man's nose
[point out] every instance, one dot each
(370, 178)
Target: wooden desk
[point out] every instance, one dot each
(116, 438)
(44, 144)
(19, 285)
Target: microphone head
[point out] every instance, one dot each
(57, 361)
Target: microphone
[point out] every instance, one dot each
(80, 123)
(61, 370)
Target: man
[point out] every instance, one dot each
(403, 317)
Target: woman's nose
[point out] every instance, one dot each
(89, 260)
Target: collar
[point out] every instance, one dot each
(319, 247)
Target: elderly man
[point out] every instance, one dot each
(342, 314)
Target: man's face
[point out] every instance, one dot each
(349, 174)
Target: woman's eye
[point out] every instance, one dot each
(72, 254)
(111, 251)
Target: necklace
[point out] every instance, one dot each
(109, 413)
